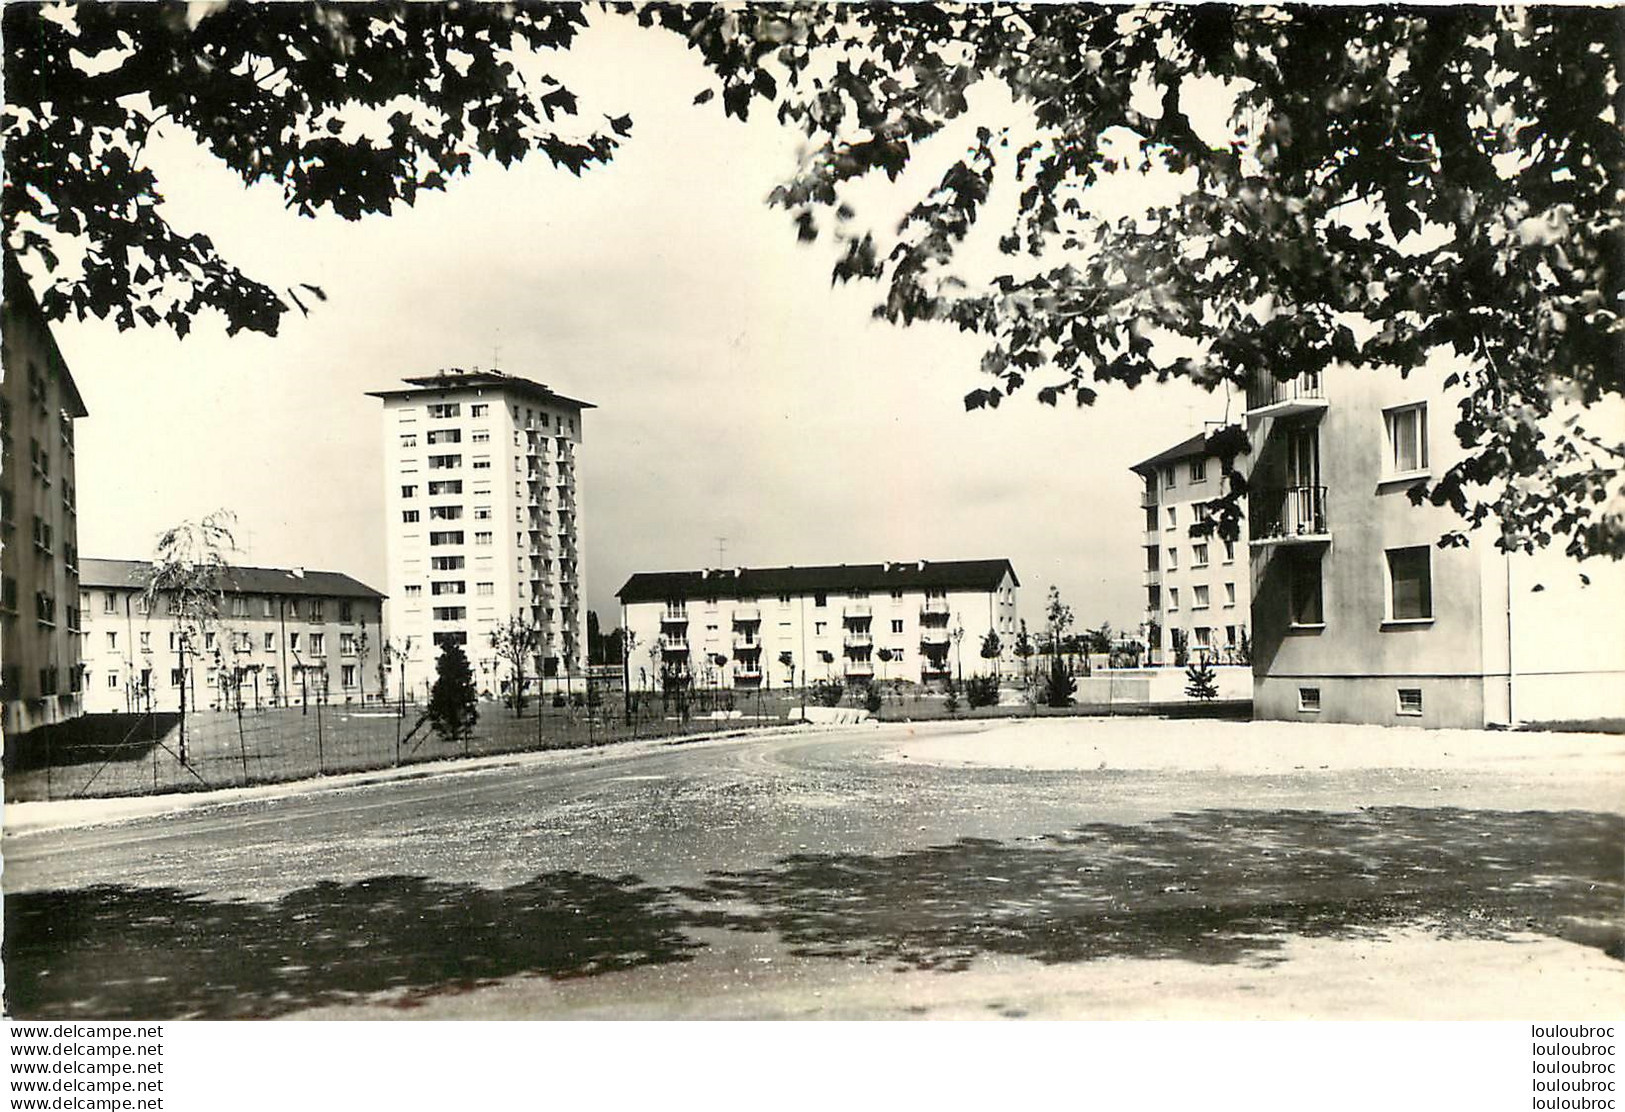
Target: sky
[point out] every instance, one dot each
(749, 413)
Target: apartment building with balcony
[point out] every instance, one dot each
(919, 622)
(1360, 616)
(39, 533)
(484, 521)
(285, 637)
(1197, 590)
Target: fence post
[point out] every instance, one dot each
(47, 766)
(242, 744)
(321, 765)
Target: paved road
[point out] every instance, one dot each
(830, 875)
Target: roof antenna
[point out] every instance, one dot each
(722, 552)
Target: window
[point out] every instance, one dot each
(346, 644)
(444, 638)
(483, 513)
(482, 463)
(820, 599)
(109, 602)
(413, 590)
(1407, 439)
(897, 625)
(448, 587)
(480, 436)
(112, 679)
(267, 602)
(445, 513)
(1303, 590)
(1309, 700)
(784, 601)
(1230, 635)
(445, 563)
(486, 589)
(347, 675)
(410, 517)
(410, 441)
(317, 607)
(1198, 470)
(446, 409)
(1410, 582)
(1200, 596)
(450, 613)
(1229, 552)
(1229, 594)
(112, 640)
(1410, 701)
(242, 643)
(174, 640)
(456, 538)
(446, 436)
(1173, 518)
(1199, 556)
(1173, 558)
(1204, 636)
(445, 486)
(175, 677)
(346, 611)
(239, 606)
(1173, 598)
(479, 409)
(293, 642)
(1168, 477)
(819, 628)
(479, 538)
(146, 641)
(208, 642)
(270, 642)
(438, 463)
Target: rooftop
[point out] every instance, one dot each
(452, 379)
(242, 581)
(1185, 449)
(973, 575)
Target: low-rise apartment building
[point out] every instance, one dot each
(40, 676)
(285, 637)
(1360, 616)
(920, 622)
(1197, 591)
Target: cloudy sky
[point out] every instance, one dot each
(740, 396)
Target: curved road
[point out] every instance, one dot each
(826, 874)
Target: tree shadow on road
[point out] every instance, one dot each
(120, 952)
(1212, 887)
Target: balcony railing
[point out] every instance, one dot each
(745, 644)
(747, 614)
(1285, 396)
(934, 606)
(857, 610)
(748, 673)
(1289, 514)
(860, 668)
(933, 668)
(1150, 577)
(859, 639)
(671, 643)
(933, 636)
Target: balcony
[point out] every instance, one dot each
(859, 639)
(933, 669)
(747, 643)
(747, 614)
(934, 606)
(859, 669)
(1151, 577)
(747, 673)
(857, 610)
(933, 636)
(1148, 496)
(1289, 515)
(1268, 396)
(674, 643)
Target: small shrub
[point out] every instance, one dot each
(982, 691)
(871, 698)
(828, 693)
(1200, 682)
(952, 698)
(1059, 686)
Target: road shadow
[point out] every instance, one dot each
(1212, 887)
(118, 952)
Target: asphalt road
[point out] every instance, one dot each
(827, 874)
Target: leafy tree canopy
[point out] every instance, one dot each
(1380, 184)
(351, 108)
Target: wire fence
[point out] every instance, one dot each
(150, 753)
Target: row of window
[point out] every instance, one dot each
(1195, 471)
(348, 674)
(678, 608)
(1199, 556)
(316, 645)
(1201, 596)
(1407, 701)
(1408, 594)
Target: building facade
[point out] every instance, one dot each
(918, 622)
(1360, 616)
(39, 534)
(285, 637)
(484, 517)
(1197, 590)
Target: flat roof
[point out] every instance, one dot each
(455, 378)
(976, 575)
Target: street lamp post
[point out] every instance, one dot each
(958, 635)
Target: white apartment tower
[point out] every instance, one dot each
(484, 521)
